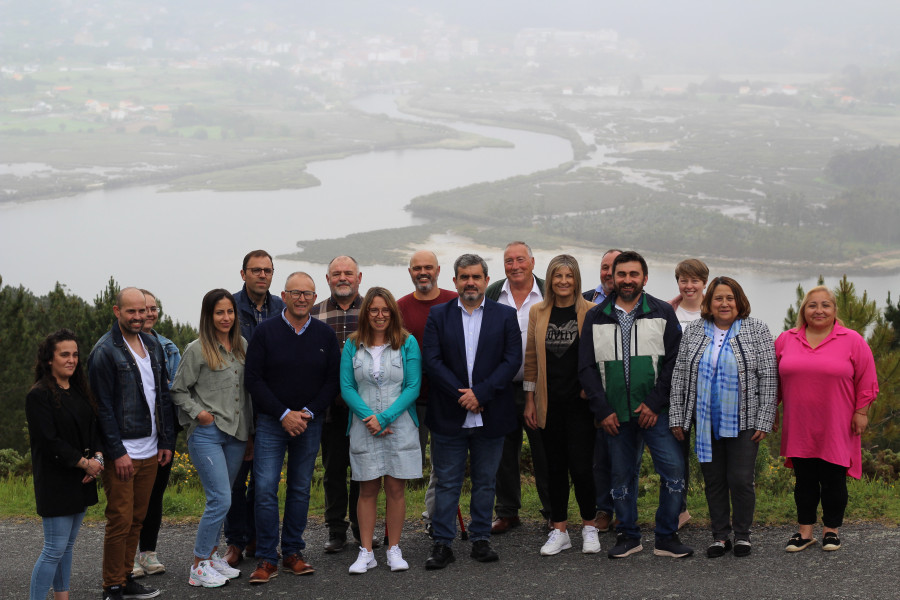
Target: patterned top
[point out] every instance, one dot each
(343, 322)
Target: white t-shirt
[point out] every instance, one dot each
(686, 316)
(145, 447)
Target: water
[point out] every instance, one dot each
(180, 245)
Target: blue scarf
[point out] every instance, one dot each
(718, 392)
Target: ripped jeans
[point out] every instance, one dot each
(624, 452)
(217, 457)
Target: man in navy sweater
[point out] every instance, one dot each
(292, 370)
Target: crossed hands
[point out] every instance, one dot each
(468, 400)
(296, 422)
(374, 427)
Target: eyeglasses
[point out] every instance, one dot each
(295, 294)
(153, 309)
(257, 270)
(380, 311)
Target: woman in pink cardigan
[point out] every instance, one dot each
(827, 382)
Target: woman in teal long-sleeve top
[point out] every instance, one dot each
(381, 372)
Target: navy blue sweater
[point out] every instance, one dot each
(289, 371)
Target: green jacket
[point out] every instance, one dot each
(493, 291)
(655, 336)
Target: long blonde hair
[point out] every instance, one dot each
(556, 263)
(209, 345)
(801, 314)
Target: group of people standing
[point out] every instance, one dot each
(590, 377)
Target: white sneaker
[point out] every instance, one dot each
(204, 575)
(395, 559)
(557, 541)
(364, 562)
(221, 565)
(150, 563)
(590, 541)
(137, 570)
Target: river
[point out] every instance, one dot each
(182, 244)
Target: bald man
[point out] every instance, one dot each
(127, 369)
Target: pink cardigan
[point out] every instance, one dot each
(821, 388)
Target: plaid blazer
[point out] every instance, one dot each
(754, 350)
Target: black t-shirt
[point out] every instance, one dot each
(562, 355)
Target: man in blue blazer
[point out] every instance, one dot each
(471, 349)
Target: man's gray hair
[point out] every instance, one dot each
(469, 260)
(296, 273)
(520, 243)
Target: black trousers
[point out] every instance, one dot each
(153, 519)
(568, 437)
(340, 498)
(818, 480)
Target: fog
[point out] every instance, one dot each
(758, 136)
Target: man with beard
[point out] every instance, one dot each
(471, 350)
(414, 307)
(627, 353)
(128, 378)
(340, 311)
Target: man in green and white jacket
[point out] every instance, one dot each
(627, 353)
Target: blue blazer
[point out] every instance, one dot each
(497, 360)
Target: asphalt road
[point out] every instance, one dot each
(866, 567)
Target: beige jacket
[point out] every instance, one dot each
(536, 352)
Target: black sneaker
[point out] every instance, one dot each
(831, 542)
(672, 546)
(798, 543)
(718, 548)
(482, 552)
(113, 592)
(441, 556)
(132, 589)
(742, 548)
(625, 546)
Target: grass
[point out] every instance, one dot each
(874, 500)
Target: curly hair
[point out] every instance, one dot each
(43, 372)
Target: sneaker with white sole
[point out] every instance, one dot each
(671, 546)
(221, 565)
(557, 541)
(204, 575)
(590, 540)
(364, 562)
(625, 546)
(150, 563)
(395, 559)
(137, 570)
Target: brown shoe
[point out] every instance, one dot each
(233, 556)
(603, 520)
(504, 524)
(264, 572)
(294, 563)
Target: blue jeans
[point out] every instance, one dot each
(603, 473)
(625, 452)
(217, 457)
(448, 460)
(54, 564)
(270, 445)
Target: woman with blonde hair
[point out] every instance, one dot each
(381, 372)
(828, 380)
(555, 402)
(216, 411)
